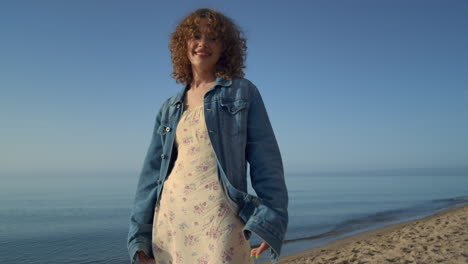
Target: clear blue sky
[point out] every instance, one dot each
(349, 85)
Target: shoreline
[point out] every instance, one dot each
(438, 238)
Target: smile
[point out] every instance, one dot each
(201, 54)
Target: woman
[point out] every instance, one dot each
(203, 137)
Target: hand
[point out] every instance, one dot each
(258, 251)
(144, 259)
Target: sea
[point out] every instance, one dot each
(83, 217)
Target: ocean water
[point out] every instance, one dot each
(83, 217)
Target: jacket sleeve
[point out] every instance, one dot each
(141, 218)
(270, 218)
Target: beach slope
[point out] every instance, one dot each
(439, 238)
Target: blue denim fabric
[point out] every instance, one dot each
(240, 131)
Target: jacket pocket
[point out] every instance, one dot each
(233, 107)
(161, 130)
(234, 116)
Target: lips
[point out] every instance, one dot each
(202, 53)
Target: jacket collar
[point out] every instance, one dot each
(220, 81)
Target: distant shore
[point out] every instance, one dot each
(439, 238)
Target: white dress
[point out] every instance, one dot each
(194, 222)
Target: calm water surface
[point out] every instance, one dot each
(83, 218)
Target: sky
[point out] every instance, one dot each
(348, 85)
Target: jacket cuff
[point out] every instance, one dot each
(255, 225)
(132, 250)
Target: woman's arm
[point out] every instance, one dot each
(267, 176)
(264, 157)
(141, 219)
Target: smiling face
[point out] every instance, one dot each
(203, 49)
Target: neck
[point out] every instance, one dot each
(200, 78)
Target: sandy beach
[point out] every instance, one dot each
(440, 238)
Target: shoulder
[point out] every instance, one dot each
(173, 99)
(242, 82)
(165, 104)
(246, 85)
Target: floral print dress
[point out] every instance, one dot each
(195, 222)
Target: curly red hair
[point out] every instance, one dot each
(232, 59)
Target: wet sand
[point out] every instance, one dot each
(439, 238)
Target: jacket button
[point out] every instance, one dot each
(163, 156)
(168, 129)
(178, 105)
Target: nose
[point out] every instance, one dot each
(203, 41)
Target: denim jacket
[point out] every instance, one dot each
(240, 131)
